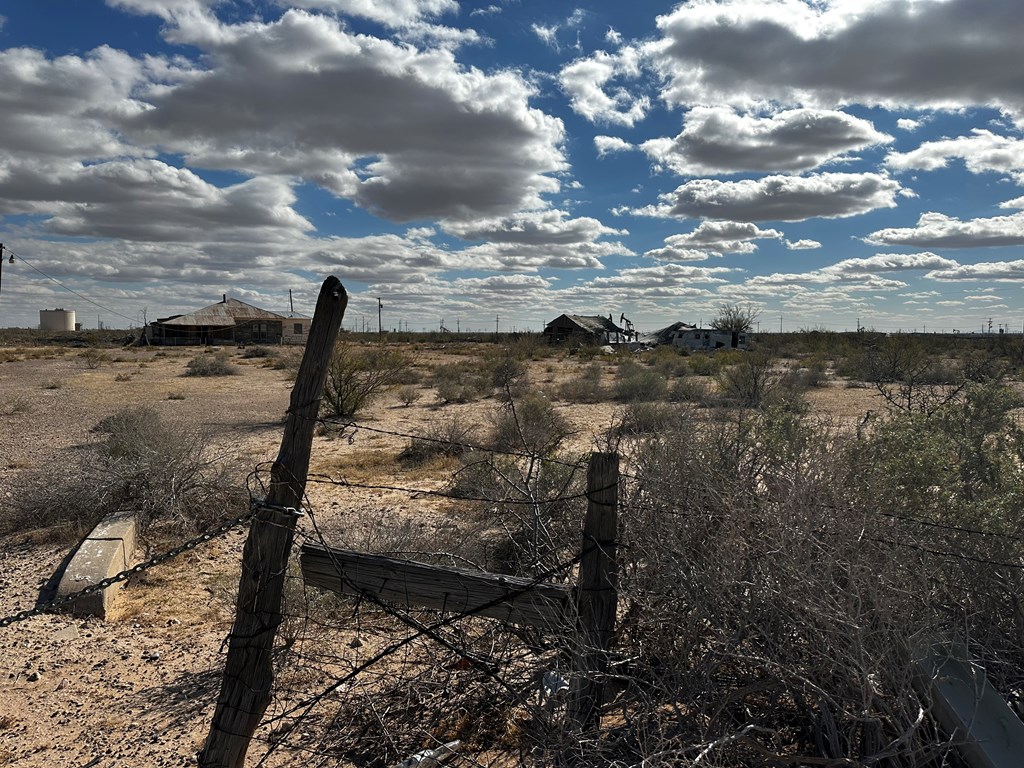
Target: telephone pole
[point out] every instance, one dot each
(380, 327)
(2, 264)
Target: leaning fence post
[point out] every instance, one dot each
(596, 590)
(248, 672)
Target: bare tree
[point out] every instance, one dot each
(736, 318)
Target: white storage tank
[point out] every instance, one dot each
(56, 319)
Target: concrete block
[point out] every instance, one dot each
(107, 550)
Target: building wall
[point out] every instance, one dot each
(295, 330)
(700, 338)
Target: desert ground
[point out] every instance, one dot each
(138, 688)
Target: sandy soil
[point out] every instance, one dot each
(138, 689)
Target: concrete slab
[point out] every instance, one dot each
(109, 549)
(988, 733)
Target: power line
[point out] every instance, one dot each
(70, 290)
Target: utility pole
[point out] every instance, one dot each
(495, 325)
(11, 261)
(380, 327)
(780, 323)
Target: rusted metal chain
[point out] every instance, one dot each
(126, 574)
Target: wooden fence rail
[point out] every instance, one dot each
(591, 605)
(407, 583)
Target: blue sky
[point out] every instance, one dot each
(826, 162)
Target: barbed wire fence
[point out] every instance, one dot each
(763, 615)
(368, 681)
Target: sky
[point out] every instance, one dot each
(494, 164)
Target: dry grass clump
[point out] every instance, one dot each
(449, 435)
(93, 358)
(636, 383)
(528, 424)
(256, 351)
(409, 394)
(465, 381)
(167, 474)
(15, 405)
(585, 386)
(210, 364)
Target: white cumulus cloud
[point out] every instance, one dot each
(779, 198)
(930, 54)
(982, 152)
(717, 140)
(937, 230)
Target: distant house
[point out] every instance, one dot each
(586, 329)
(229, 321)
(691, 337)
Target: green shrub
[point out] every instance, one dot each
(754, 381)
(461, 382)
(689, 389)
(960, 463)
(357, 374)
(703, 364)
(668, 361)
(635, 384)
(640, 418)
(584, 388)
(528, 424)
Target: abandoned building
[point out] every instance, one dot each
(587, 329)
(691, 337)
(229, 321)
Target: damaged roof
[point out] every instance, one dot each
(222, 314)
(664, 335)
(591, 323)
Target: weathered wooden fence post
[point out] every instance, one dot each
(248, 671)
(596, 596)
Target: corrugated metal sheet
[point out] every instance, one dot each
(595, 323)
(223, 314)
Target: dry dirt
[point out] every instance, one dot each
(138, 689)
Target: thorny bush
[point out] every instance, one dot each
(357, 374)
(777, 575)
(168, 474)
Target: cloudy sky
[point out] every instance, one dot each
(827, 161)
